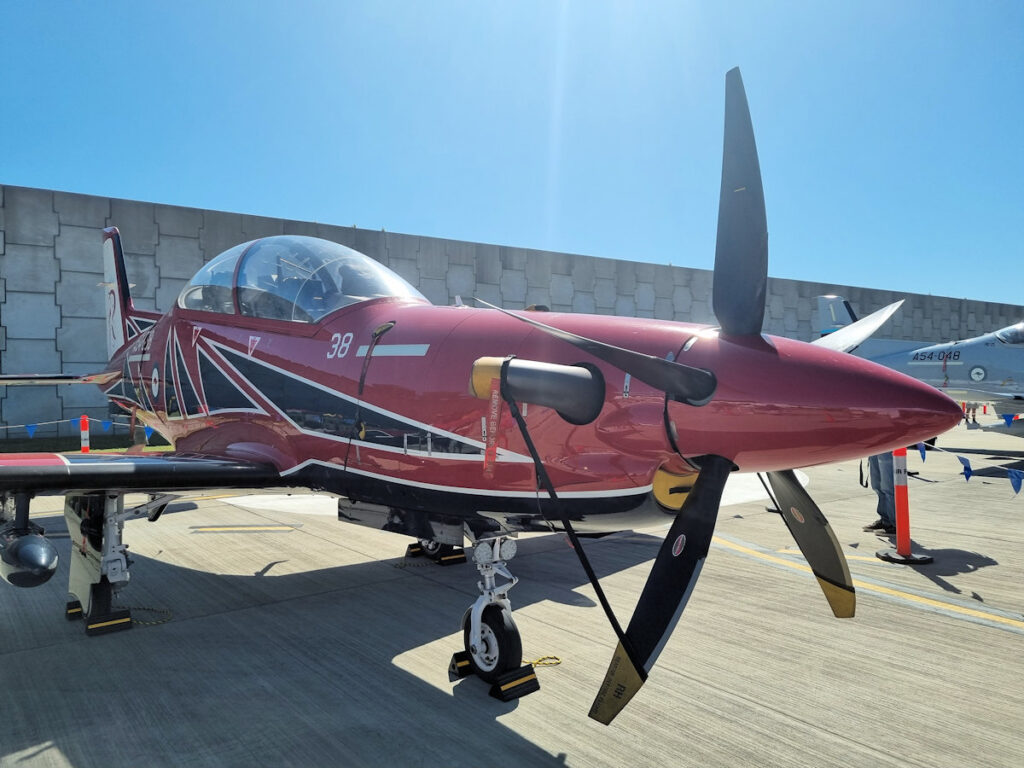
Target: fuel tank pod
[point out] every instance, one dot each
(27, 558)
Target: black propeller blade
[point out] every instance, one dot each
(693, 386)
(816, 540)
(741, 251)
(666, 592)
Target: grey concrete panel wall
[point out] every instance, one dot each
(52, 310)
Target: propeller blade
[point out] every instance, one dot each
(741, 250)
(668, 588)
(851, 336)
(816, 540)
(693, 386)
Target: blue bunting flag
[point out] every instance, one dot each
(76, 423)
(107, 425)
(31, 429)
(923, 450)
(967, 467)
(1015, 479)
(1008, 418)
(149, 432)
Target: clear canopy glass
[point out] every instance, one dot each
(290, 277)
(1012, 335)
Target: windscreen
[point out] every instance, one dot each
(1012, 335)
(291, 277)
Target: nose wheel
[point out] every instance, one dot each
(499, 648)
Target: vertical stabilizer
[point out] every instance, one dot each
(834, 312)
(119, 299)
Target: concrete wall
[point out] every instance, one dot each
(51, 310)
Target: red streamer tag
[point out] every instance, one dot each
(493, 416)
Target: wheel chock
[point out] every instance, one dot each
(114, 621)
(457, 555)
(459, 667)
(515, 684)
(73, 610)
(414, 550)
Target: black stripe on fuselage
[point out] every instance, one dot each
(317, 409)
(221, 393)
(593, 514)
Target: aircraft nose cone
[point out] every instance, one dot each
(920, 411)
(793, 404)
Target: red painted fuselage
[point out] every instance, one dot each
(287, 392)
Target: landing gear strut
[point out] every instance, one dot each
(493, 648)
(99, 560)
(490, 636)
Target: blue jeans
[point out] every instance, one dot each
(880, 467)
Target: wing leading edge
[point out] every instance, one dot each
(55, 473)
(46, 379)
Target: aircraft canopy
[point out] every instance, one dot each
(1012, 335)
(290, 277)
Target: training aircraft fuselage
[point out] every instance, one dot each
(220, 381)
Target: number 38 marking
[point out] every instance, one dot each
(339, 345)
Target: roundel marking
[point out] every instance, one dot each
(796, 514)
(678, 545)
(154, 382)
(977, 373)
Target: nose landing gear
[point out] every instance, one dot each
(490, 636)
(493, 648)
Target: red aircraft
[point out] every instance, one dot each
(296, 362)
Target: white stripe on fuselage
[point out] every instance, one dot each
(395, 350)
(615, 492)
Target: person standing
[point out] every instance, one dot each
(880, 471)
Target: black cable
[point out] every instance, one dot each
(545, 481)
(379, 331)
(769, 492)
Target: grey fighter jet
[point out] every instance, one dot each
(985, 369)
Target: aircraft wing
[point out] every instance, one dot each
(44, 379)
(1001, 401)
(55, 473)
(849, 337)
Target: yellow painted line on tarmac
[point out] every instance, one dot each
(240, 528)
(877, 589)
(863, 558)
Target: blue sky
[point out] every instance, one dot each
(890, 132)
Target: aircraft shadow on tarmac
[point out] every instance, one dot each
(279, 662)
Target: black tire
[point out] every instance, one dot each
(503, 649)
(435, 550)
